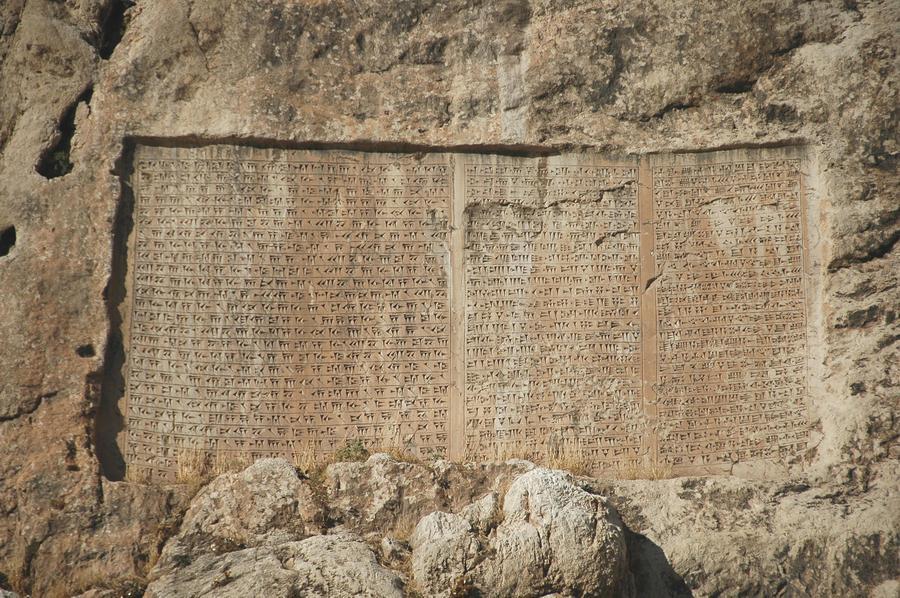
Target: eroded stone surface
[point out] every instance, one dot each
(635, 78)
(619, 312)
(444, 549)
(339, 565)
(263, 505)
(390, 496)
(553, 537)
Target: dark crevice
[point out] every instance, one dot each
(653, 279)
(610, 235)
(364, 145)
(878, 251)
(740, 86)
(110, 421)
(670, 107)
(7, 240)
(797, 40)
(112, 28)
(884, 223)
(55, 160)
(85, 351)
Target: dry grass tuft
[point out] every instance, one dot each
(138, 475)
(400, 453)
(193, 469)
(307, 459)
(229, 462)
(570, 456)
(197, 467)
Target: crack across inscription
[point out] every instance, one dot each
(654, 279)
(594, 196)
(612, 234)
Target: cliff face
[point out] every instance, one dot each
(80, 80)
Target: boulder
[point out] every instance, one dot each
(444, 550)
(386, 496)
(265, 504)
(554, 537)
(380, 492)
(326, 566)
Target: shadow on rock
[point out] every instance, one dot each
(653, 574)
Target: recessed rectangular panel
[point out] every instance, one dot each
(285, 301)
(553, 326)
(731, 337)
(647, 314)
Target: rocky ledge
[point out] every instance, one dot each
(383, 527)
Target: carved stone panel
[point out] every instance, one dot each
(638, 313)
(731, 302)
(553, 322)
(284, 301)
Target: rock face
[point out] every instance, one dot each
(444, 550)
(81, 80)
(551, 528)
(382, 494)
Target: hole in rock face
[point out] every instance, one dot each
(55, 161)
(7, 240)
(85, 351)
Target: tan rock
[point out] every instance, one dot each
(554, 537)
(444, 549)
(630, 78)
(265, 504)
(383, 494)
(339, 565)
(551, 528)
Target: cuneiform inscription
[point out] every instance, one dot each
(624, 313)
(287, 301)
(732, 332)
(553, 347)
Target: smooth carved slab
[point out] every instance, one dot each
(631, 313)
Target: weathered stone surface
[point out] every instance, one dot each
(643, 77)
(550, 530)
(673, 296)
(265, 504)
(386, 495)
(444, 550)
(338, 565)
(731, 537)
(483, 513)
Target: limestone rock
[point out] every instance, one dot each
(554, 537)
(483, 513)
(382, 494)
(551, 528)
(444, 550)
(265, 504)
(325, 566)
(757, 538)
